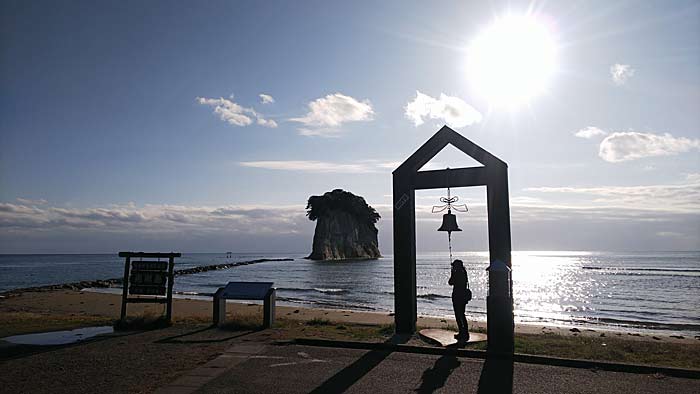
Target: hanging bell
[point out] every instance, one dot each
(449, 222)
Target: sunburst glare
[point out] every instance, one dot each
(512, 60)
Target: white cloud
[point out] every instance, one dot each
(266, 98)
(327, 114)
(313, 166)
(234, 113)
(589, 132)
(267, 123)
(155, 219)
(670, 234)
(693, 177)
(682, 197)
(621, 73)
(630, 145)
(29, 201)
(229, 111)
(453, 110)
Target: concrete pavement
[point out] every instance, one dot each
(294, 368)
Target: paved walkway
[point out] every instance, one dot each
(257, 368)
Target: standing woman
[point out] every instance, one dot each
(460, 296)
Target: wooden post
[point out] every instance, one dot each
(219, 306)
(405, 301)
(269, 309)
(500, 320)
(125, 291)
(169, 307)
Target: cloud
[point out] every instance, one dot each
(621, 73)
(692, 177)
(680, 198)
(313, 166)
(630, 145)
(266, 98)
(155, 219)
(327, 114)
(234, 113)
(598, 220)
(453, 110)
(30, 201)
(267, 123)
(589, 132)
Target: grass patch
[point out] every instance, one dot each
(386, 329)
(145, 322)
(318, 321)
(326, 329)
(610, 349)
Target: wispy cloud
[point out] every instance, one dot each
(29, 201)
(596, 220)
(327, 114)
(630, 145)
(314, 166)
(234, 113)
(621, 73)
(266, 98)
(452, 110)
(589, 132)
(155, 219)
(682, 197)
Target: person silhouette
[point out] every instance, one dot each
(458, 281)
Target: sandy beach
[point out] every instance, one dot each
(101, 305)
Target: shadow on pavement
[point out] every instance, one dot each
(496, 376)
(178, 338)
(435, 377)
(345, 378)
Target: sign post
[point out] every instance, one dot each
(149, 280)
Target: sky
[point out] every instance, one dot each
(205, 127)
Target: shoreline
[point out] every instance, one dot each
(106, 306)
(528, 318)
(112, 287)
(481, 320)
(114, 282)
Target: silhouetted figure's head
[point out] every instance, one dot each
(457, 264)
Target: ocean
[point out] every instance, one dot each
(654, 291)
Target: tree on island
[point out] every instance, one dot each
(345, 227)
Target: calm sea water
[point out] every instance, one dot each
(645, 291)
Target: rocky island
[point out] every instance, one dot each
(344, 227)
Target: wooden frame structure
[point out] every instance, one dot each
(162, 271)
(406, 180)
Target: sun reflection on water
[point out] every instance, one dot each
(547, 285)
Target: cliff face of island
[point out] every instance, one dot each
(344, 227)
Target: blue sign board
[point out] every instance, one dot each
(246, 290)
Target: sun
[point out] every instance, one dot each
(512, 61)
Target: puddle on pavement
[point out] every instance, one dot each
(59, 337)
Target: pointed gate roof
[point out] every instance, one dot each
(438, 142)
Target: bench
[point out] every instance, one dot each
(245, 291)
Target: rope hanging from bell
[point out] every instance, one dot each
(449, 220)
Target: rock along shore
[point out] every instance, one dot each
(115, 282)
